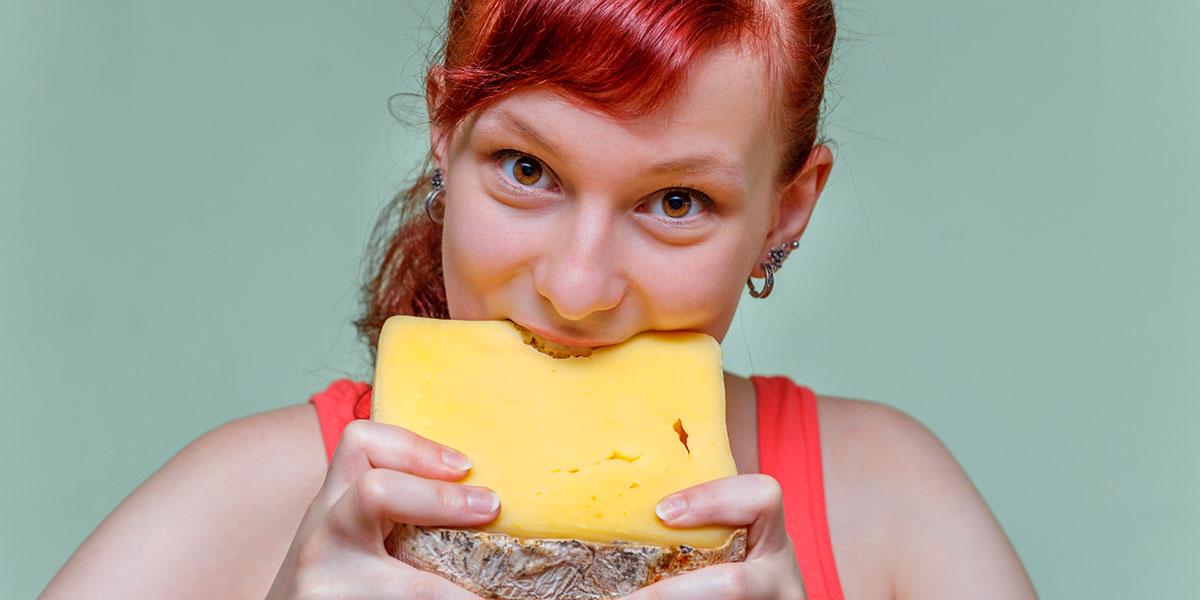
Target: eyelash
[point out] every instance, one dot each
(704, 199)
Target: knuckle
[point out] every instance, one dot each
(357, 433)
(371, 490)
(771, 493)
(447, 499)
(421, 450)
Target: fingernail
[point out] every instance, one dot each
(482, 501)
(671, 507)
(455, 461)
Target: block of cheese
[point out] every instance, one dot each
(579, 450)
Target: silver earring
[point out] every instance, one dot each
(775, 258)
(433, 195)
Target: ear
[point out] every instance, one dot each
(795, 203)
(439, 139)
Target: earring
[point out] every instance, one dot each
(433, 196)
(775, 258)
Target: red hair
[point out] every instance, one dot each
(623, 57)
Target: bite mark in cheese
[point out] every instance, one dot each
(578, 448)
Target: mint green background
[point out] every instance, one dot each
(1006, 250)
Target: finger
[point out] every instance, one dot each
(753, 500)
(380, 498)
(368, 444)
(728, 581)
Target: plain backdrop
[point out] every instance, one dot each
(1006, 250)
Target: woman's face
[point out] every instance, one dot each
(588, 230)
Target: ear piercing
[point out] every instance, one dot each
(775, 258)
(432, 197)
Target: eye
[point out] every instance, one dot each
(679, 204)
(524, 170)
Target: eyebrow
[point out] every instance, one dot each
(695, 164)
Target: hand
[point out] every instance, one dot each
(380, 475)
(769, 571)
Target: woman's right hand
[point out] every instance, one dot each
(380, 475)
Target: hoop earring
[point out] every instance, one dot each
(775, 258)
(433, 195)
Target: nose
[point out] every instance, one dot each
(579, 272)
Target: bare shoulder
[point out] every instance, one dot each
(905, 519)
(213, 522)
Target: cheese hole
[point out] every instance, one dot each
(618, 455)
(683, 434)
(573, 470)
(633, 485)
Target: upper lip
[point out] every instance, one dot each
(566, 340)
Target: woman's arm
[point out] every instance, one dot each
(214, 522)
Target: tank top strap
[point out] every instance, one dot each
(342, 401)
(789, 449)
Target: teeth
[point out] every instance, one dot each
(552, 348)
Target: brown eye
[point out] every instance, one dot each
(526, 170)
(676, 204)
(523, 170)
(681, 205)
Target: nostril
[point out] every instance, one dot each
(580, 279)
(572, 310)
(574, 299)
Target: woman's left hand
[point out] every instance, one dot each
(769, 571)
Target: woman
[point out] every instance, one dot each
(601, 168)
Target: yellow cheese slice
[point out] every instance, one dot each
(580, 448)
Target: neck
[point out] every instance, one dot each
(741, 420)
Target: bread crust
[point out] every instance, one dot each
(503, 567)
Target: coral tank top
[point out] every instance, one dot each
(789, 449)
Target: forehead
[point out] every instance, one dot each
(721, 111)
